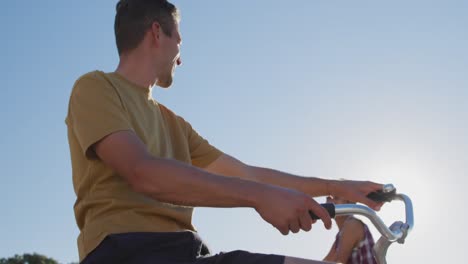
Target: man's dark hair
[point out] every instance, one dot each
(135, 17)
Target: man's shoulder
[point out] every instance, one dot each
(91, 82)
(171, 114)
(96, 75)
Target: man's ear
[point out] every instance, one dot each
(156, 33)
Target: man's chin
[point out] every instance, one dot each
(164, 86)
(164, 83)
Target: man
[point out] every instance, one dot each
(139, 169)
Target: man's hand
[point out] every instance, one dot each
(356, 191)
(288, 210)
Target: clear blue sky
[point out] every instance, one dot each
(372, 90)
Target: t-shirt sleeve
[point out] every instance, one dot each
(202, 153)
(95, 111)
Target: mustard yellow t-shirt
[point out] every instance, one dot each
(101, 104)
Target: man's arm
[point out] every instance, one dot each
(179, 183)
(230, 166)
(350, 190)
(169, 180)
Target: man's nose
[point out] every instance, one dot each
(179, 61)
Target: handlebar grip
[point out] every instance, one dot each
(381, 196)
(330, 209)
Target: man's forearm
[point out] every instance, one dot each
(178, 183)
(355, 191)
(309, 185)
(229, 166)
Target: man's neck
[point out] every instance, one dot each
(137, 71)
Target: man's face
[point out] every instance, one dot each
(170, 57)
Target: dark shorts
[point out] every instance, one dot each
(168, 248)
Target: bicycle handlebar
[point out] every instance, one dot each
(347, 209)
(396, 232)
